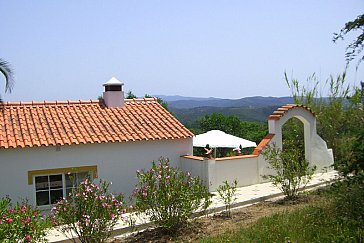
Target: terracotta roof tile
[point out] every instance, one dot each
(50, 123)
(280, 112)
(262, 144)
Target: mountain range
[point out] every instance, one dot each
(189, 109)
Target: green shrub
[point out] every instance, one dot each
(21, 223)
(91, 212)
(348, 197)
(227, 192)
(169, 196)
(292, 171)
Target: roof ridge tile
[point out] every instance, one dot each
(281, 111)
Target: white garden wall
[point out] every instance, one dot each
(249, 169)
(243, 169)
(214, 172)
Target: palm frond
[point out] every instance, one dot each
(8, 73)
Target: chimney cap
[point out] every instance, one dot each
(112, 82)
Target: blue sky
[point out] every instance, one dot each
(230, 49)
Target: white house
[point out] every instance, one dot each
(46, 148)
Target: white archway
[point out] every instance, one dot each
(283, 114)
(316, 151)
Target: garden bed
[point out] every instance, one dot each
(217, 224)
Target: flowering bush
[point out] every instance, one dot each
(169, 196)
(90, 213)
(21, 223)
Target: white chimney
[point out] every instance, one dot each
(114, 94)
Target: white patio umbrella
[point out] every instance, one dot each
(219, 139)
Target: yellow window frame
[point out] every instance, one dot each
(32, 173)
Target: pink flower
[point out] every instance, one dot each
(28, 238)
(23, 209)
(9, 220)
(27, 220)
(1, 222)
(167, 177)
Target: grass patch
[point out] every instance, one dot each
(336, 216)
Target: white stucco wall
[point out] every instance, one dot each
(214, 172)
(196, 167)
(244, 170)
(116, 162)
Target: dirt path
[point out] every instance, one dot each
(216, 224)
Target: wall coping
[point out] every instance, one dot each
(237, 157)
(192, 157)
(220, 159)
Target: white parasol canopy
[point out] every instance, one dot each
(219, 139)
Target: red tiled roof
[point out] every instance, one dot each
(28, 124)
(284, 109)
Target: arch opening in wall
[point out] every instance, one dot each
(315, 148)
(302, 113)
(293, 136)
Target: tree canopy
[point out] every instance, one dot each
(8, 73)
(355, 48)
(340, 117)
(130, 95)
(252, 131)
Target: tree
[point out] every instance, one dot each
(160, 101)
(228, 124)
(7, 71)
(356, 47)
(233, 125)
(130, 95)
(252, 131)
(340, 117)
(293, 135)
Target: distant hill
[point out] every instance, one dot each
(171, 98)
(189, 116)
(252, 102)
(189, 109)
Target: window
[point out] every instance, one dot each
(53, 184)
(73, 180)
(48, 189)
(51, 188)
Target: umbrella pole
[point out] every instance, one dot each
(215, 152)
